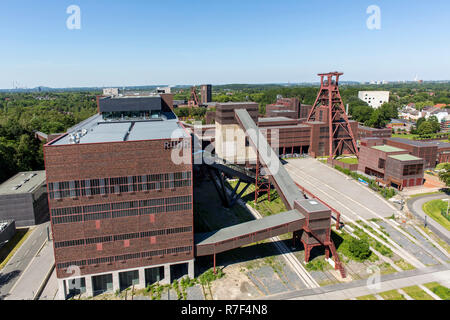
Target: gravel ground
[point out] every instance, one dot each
(426, 243)
(406, 244)
(195, 293)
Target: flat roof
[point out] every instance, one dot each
(248, 227)
(294, 126)
(405, 157)
(98, 130)
(386, 148)
(372, 129)
(29, 181)
(416, 143)
(274, 119)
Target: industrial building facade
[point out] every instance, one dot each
(23, 198)
(391, 165)
(121, 209)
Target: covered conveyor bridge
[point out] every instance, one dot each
(249, 232)
(304, 214)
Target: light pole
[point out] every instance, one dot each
(448, 204)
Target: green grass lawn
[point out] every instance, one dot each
(433, 209)
(404, 265)
(439, 290)
(392, 295)
(405, 136)
(13, 245)
(368, 297)
(348, 160)
(264, 206)
(425, 194)
(417, 294)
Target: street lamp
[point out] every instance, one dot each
(448, 204)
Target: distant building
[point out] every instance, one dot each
(367, 132)
(111, 91)
(206, 93)
(23, 198)
(409, 112)
(163, 90)
(400, 124)
(375, 99)
(445, 124)
(7, 231)
(289, 108)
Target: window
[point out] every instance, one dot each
(381, 163)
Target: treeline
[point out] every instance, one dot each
(21, 114)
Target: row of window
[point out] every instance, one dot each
(90, 187)
(106, 211)
(121, 237)
(124, 257)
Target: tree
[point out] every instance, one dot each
(359, 248)
(435, 123)
(425, 128)
(444, 174)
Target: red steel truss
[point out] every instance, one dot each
(261, 184)
(329, 99)
(193, 100)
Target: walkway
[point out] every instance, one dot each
(21, 259)
(360, 288)
(34, 277)
(415, 207)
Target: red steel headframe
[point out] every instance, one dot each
(193, 100)
(330, 97)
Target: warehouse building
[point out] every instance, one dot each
(121, 209)
(23, 198)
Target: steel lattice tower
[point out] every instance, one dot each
(340, 131)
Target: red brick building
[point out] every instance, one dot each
(289, 108)
(391, 165)
(120, 207)
(422, 149)
(367, 132)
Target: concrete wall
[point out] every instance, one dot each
(18, 207)
(8, 232)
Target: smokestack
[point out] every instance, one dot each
(346, 109)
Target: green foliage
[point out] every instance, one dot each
(385, 192)
(316, 265)
(359, 249)
(444, 174)
(21, 114)
(382, 116)
(209, 276)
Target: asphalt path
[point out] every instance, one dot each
(415, 207)
(21, 259)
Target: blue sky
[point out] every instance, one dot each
(144, 42)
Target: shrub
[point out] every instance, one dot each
(360, 249)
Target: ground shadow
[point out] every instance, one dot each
(244, 254)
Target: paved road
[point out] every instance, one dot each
(32, 279)
(415, 207)
(21, 259)
(349, 197)
(360, 288)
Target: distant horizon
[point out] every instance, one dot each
(222, 84)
